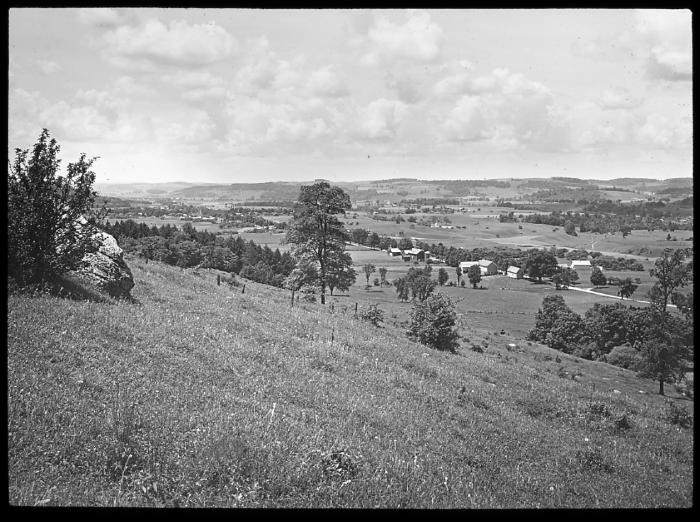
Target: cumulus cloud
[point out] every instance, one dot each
(263, 70)
(660, 132)
(175, 44)
(192, 128)
(667, 35)
(381, 119)
(465, 122)
(417, 39)
(327, 82)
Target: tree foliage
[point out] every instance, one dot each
(315, 231)
(442, 276)
(50, 216)
(474, 275)
(369, 269)
(598, 277)
(541, 264)
(433, 323)
(556, 325)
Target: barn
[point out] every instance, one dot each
(583, 264)
(488, 267)
(394, 252)
(515, 272)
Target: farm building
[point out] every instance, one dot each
(394, 252)
(515, 272)
(414, 254)
(562, 266)
(581, 265)
(488, 267)
(464, 265)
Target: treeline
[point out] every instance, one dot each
(187, 247)
(430, 201)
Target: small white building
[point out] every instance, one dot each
(581, 264)
(488, 267)
(464, 265)
(394, 252)
(515, 272)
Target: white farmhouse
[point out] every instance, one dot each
(515, 272)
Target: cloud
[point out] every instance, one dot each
(660, 132)
(176, 44)
(418, 39)
(263, 70)
(619, 99)
(466, 122)
(381, 119)
(188, 127)
(327, 82)
(667, 36)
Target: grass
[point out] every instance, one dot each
(198, 395)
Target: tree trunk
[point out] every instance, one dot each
(323, 296)
(661, 387)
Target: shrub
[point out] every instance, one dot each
(373, 315)
(679, 416)
(624, 356)
(432, 323)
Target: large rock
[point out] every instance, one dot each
(106, 268)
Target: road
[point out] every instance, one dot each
(591, 291)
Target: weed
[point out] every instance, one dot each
(679, 416)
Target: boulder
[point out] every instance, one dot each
(106, 268)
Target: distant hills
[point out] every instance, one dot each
(394, 189)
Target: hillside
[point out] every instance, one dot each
(201, 395)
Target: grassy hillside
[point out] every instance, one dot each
(200, 395)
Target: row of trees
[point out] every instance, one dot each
(653, 341)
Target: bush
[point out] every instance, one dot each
(624, 356)
(432, 323)
(679, 415)
(373, 315)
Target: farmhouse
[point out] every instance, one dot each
(581, 265)
(464, 265)
(394, 252)
(488, 267)
(414, 254)
(515, 272)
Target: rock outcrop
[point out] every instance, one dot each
(106, 268)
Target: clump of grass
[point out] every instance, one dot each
(679, 416)
(593, 459)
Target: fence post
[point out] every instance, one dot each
(355, 309)
(218, 280)
(243, 291)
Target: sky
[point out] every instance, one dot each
(252, 95)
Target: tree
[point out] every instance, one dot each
(382, 275)
(304, 276)
(369, 269)
(442, 276)
(405, 244)
(459, 274)
(669, 345)
(557, 325)
(433, 323)
(597, 277)
(541, 264)
(627, 288)
(403, 288)
(570, 228)
(474, 275)
(564, 278)
(340, 273)
(50, 217)
(315, 231)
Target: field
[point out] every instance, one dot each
(200, 395)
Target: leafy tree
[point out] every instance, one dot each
(405, 244)
(557, 325)
(671, 273)
(627, 288)
(315, 231)
(541, 264)
(382, 275)
(433, 323)
(442, 276)
(403, 288)
(570, 228)
(369, 269)
(459, 274)
(474, 275)
(50, 217)
(340, 273)
(373, 315)
(669, 344)
(359, 235)
(597, 277)
(303, 277)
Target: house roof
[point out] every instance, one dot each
(467, 264)
(514, 269)
(414, 251)
(486, 262)
(581, 263)
(394, 250)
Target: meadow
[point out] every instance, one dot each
(195, 394)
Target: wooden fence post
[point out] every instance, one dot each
(218, 280)
(243, 291)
